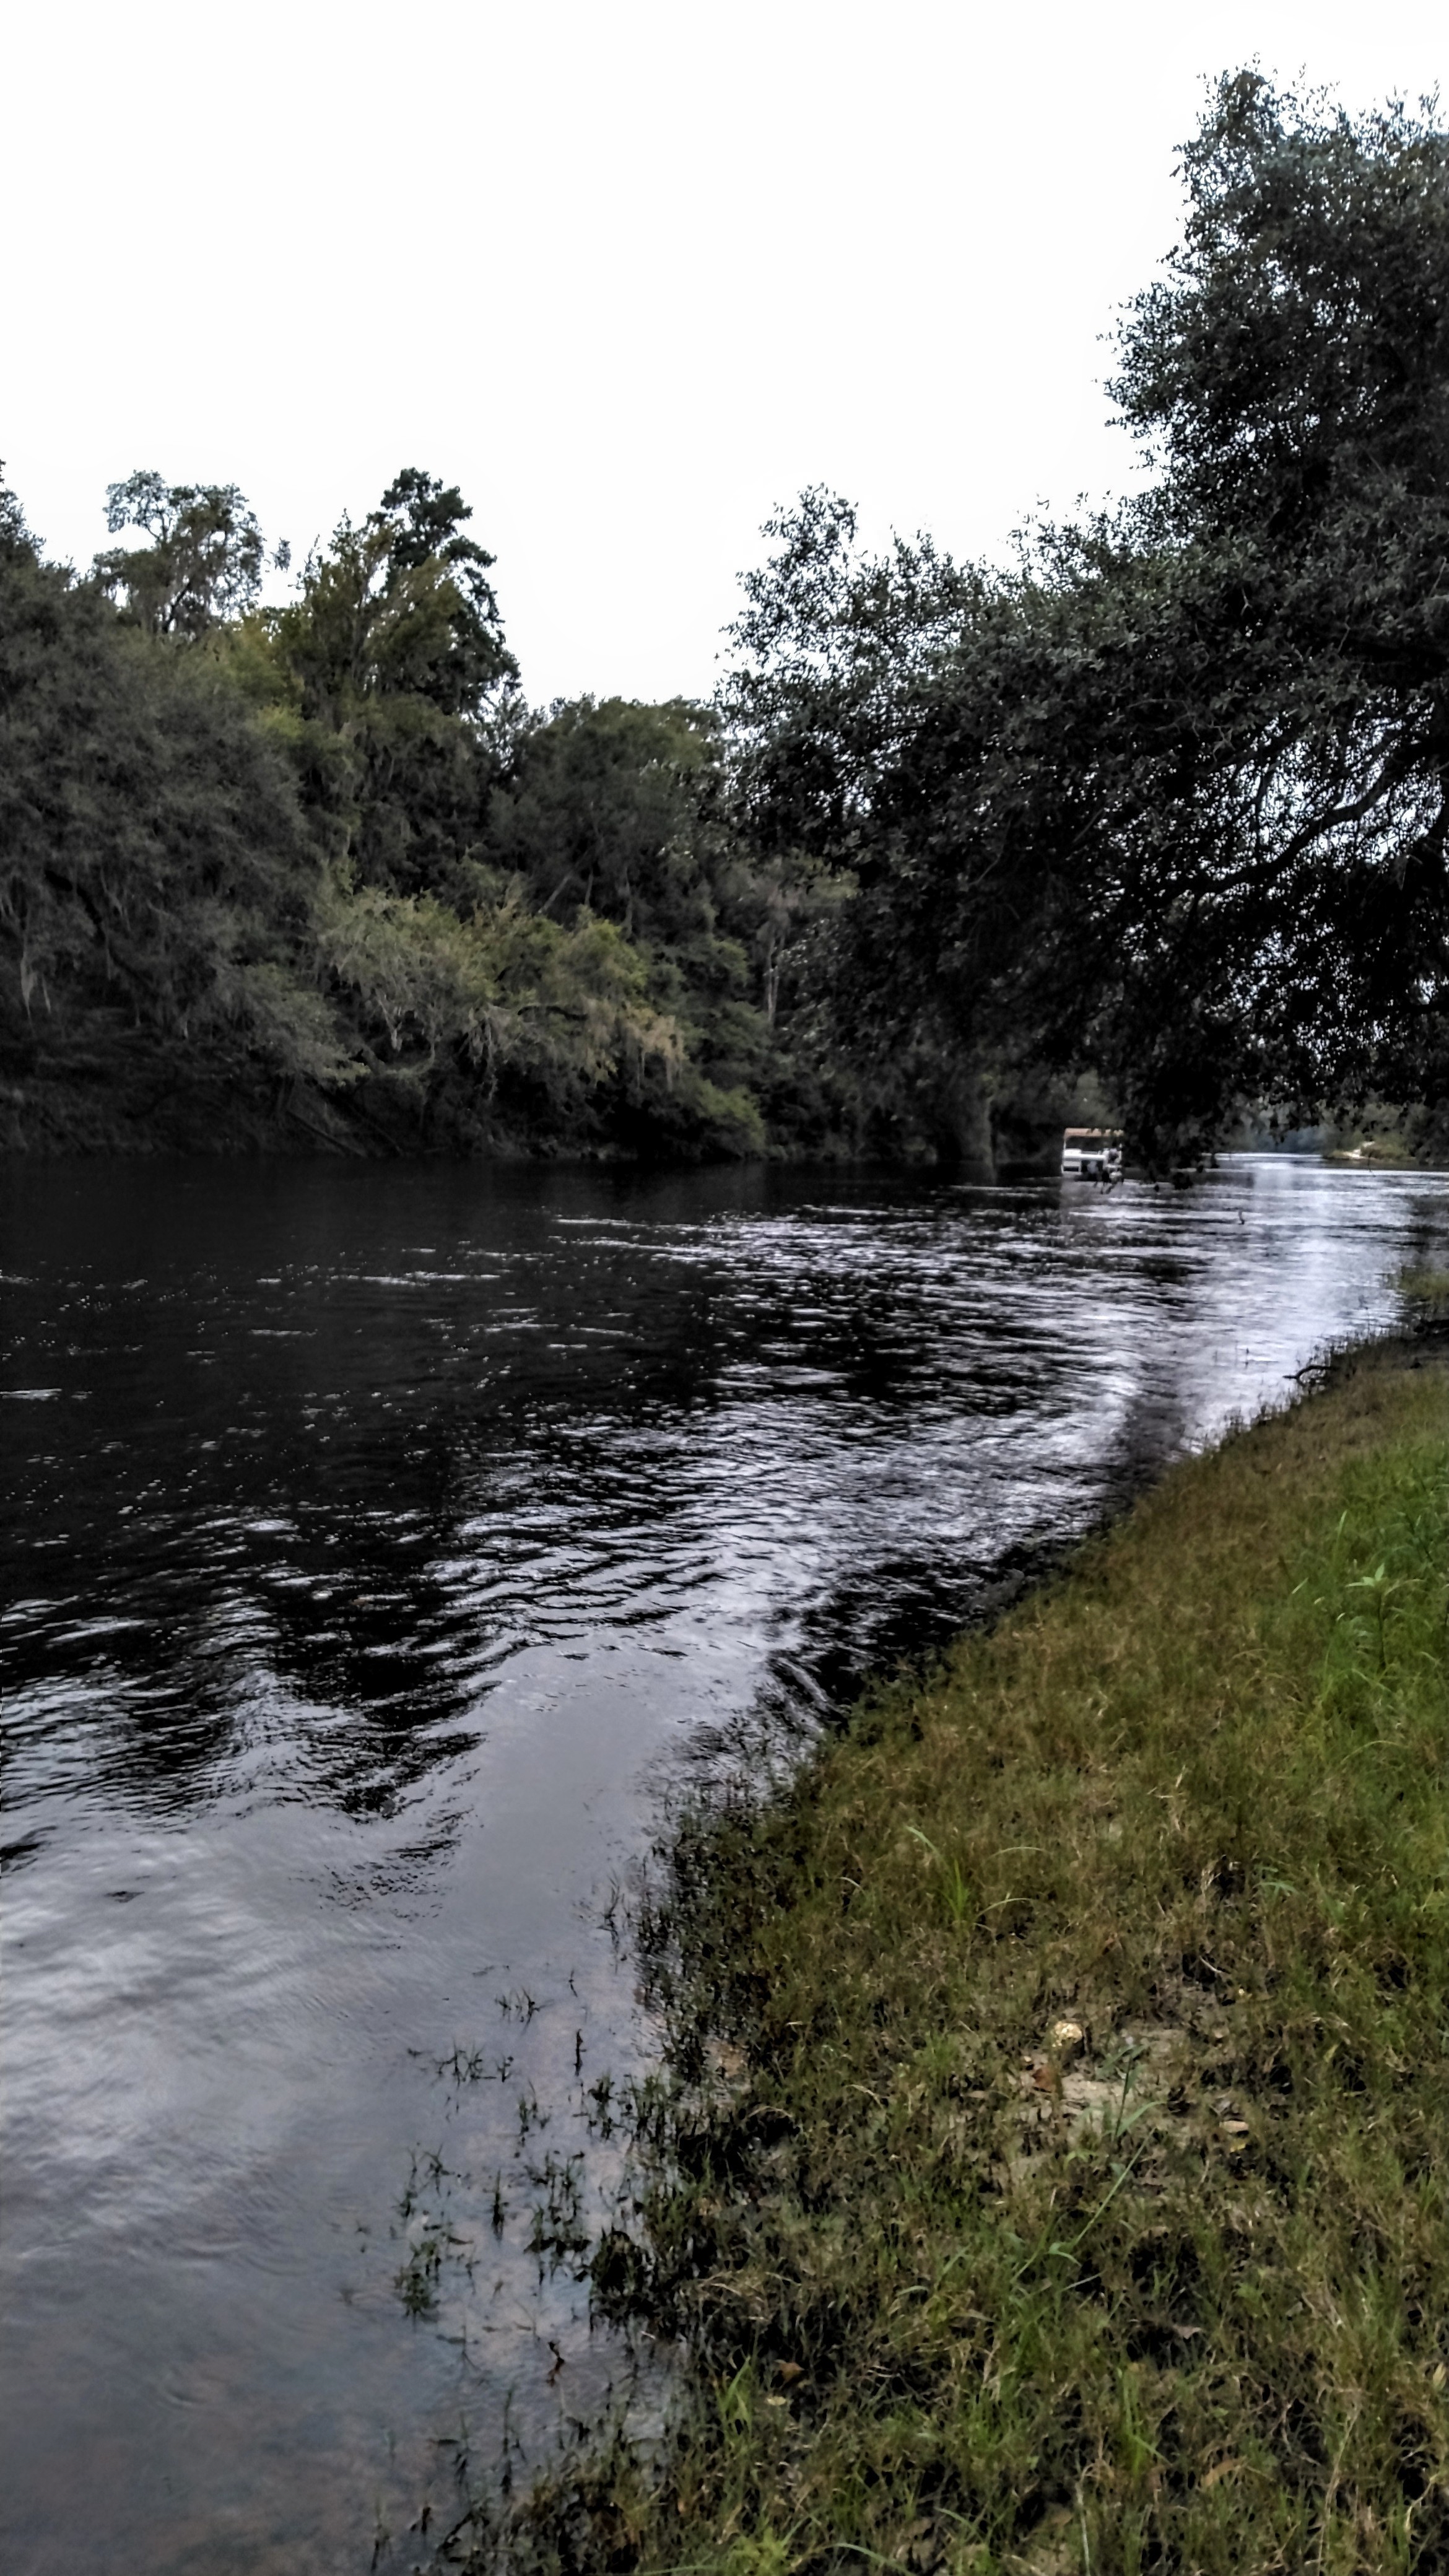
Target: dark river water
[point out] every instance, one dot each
(379, 1544)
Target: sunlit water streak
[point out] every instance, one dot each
(377, 1542)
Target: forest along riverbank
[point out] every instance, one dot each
(1047, 2169)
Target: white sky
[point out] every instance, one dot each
(631, 274)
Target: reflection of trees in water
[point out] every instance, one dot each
(342, 1532)
(264, 1610)
(316, 1645)
(354, 1635)
(348, 1601)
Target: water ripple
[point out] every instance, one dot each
(371, 1539)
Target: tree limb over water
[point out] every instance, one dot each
(1171, 796)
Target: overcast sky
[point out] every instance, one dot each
(632, 274)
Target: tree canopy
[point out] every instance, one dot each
(156, 870)
(1170, 797)
(317, 870)
(1159, 811)
(204, 563)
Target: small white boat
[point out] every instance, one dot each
(1092, 1153)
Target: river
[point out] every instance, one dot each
(381, 1543)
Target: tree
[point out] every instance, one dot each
(204, 563)
(399, 607)
(389, 672)
(1171, 799)
(157, 879)
(619, 809)
(611, 806)
(505, 996)
(424, 518)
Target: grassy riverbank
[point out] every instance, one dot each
(962, 2292)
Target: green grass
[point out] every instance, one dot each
(951, 2294)
(1427, 1293)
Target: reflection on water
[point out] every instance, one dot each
(372, 1537)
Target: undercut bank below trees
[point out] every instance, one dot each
(1047, 2168)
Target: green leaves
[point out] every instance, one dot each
(1171, 799)
(203, 565)
(510, 990)
(156, 874)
